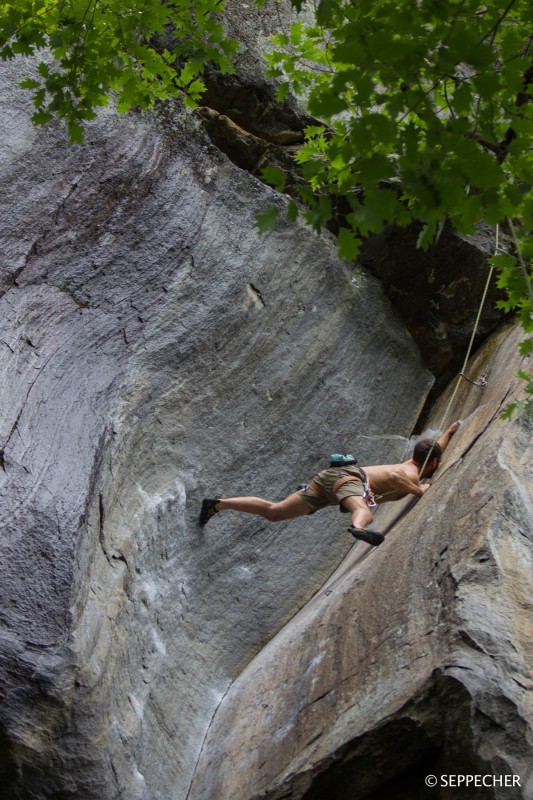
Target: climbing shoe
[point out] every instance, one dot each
(208, 509)
(370, 537)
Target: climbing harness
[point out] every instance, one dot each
(483, 379)
(368, 495)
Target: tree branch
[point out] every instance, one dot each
(498, 22)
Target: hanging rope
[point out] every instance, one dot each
(467, 357)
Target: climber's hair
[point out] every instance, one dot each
(425, 446)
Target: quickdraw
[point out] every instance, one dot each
(483, 380)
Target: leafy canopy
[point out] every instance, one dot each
(427, 116)
(102, 48)
(425, 104)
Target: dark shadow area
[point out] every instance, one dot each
(430, 736)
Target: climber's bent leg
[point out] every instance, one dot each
(361, 517)
(361, 514)
(293, 506)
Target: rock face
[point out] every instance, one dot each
(245, 96)
(438, 292)
(415, 658)
(155, 348)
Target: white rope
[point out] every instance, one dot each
(467, 357)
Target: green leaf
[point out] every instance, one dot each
(426, 235)
(266, 220)
(374, 169)
(509, 411)
(326, 11)
(41, 118)
(292, 211)
(487, 84)
(348, 244)
(275, 177)
(462, 99)
(296, 33)
(502, 260)
(314, 130)
(326, 105)
(75, 132)
(102, 48)
(29, 83)
(282, 92)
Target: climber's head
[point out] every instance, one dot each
(423, 449)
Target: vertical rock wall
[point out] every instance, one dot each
(154, 349)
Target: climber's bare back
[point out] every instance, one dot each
(395, 481)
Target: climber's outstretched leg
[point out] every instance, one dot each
(293, 506)
(361, 517)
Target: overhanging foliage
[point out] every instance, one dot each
(106, 48)
(426, 103)
(427, 117)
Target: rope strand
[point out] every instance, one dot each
(467, 357)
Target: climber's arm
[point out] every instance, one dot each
(447, 435)
(401, 481)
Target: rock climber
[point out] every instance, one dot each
(354, 489)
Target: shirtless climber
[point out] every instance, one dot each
(355, 490)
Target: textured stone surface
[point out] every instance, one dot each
(155, 348)
(438, 291)
(245, 96)
(414, 658)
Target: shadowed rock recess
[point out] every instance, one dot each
(154, 349)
